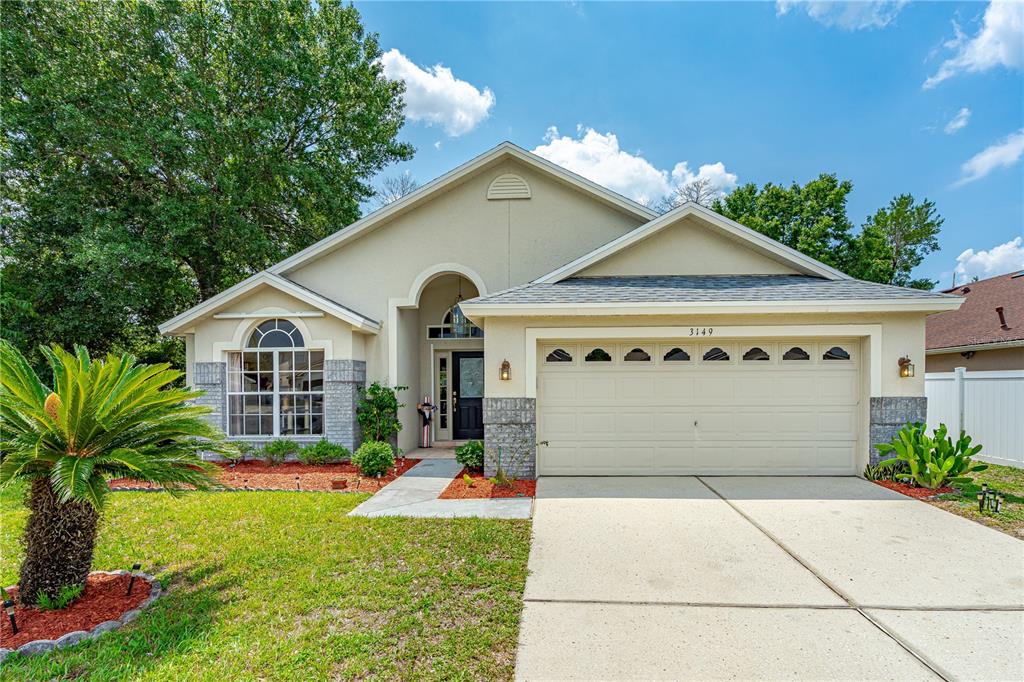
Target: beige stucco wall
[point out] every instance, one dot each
(689, 247)
(981, 361)
(902, 334)
(213, 336)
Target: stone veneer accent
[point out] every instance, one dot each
(511, 425)
(343, 380)
(212, 378)
(889, 415)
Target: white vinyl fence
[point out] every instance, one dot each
(989, 406)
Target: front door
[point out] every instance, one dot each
(468, 395)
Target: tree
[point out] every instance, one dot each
(895, 240)
(700, 191)
(155, 153)
(811, 218)
(103, 419)
(394, 187)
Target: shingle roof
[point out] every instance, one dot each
(698, 288)
(977, 322)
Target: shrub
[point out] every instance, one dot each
(377, 412)
(277, 451)
(65, 596)
(241, 451)
(891, 471)
(374, 458)
(324, 452)
(933, 460)
(470, 455)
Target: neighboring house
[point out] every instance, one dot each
(532, 304)
(986, 333)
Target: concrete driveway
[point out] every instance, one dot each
(759, 578)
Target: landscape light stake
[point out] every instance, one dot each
(297, 486)
(981, 502)
(9, 608)
(135, 574)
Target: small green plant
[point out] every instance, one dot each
(324, 452)
(239, 452)
(65, 596)
(892, 471)
(511, 461)
(471, 454)
(933, 461)
(277, 451)
(377, 412)
(374, 458)
(468, 480)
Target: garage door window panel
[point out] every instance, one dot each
(560, 355)
(675, 355)
(757, 354)
(598, 355)
(717, 354)
(796, 353)
(636, 354)
(836, 353)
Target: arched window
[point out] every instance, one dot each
(676, 355)
(558, 355)
(454, 325)
(276, 384)
(756, 353)
(835, 353)
(598, 355)
(796, 353)
(637, 355)
(276, 334)
(716, 354)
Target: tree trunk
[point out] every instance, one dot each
(59, 539)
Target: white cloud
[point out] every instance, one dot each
(598, 157)
(998, 260)
(999, 42)
(435, 96)
(1004, 154)
(850, 16)
(962, 118)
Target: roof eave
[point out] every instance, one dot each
(992, 345)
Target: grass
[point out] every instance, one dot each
(274, 585)
(1007, 480)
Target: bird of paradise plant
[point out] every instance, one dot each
(102, 419)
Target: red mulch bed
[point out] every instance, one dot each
(483, 489)
(258, 475)
(104, 598)
(911, 491)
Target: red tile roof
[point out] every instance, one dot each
(977, 321)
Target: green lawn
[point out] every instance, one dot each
(284, 586)
(1007, 480)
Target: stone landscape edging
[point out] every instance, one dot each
(40, 646)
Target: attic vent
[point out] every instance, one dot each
(508, 186)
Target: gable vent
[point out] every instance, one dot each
(508, 186)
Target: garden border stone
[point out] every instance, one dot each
(40, 646)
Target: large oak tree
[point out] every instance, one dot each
(156, 152)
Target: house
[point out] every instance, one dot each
(533, 305)
(986, 333)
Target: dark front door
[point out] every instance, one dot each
(468, 395)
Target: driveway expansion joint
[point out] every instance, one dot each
(906, 646)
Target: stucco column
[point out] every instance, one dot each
(889, 415)
(343, 380)
(510, 424)
(211, 377)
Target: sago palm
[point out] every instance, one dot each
(103, 419)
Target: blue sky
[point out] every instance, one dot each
(926, 98)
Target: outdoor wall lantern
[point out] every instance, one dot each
(9, 608)
(906, 368)
(505, 373)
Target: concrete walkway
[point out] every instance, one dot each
(415, 494)
(764, 579)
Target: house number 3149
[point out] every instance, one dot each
(702, 331)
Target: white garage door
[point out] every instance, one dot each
(721, 407)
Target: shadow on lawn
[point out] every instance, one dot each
(171, 626)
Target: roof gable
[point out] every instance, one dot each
(489, 159)
(759, 250)
(978, 321)
(227, 297)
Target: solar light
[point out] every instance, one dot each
(297, 486)
(999, 503)
(906, 367)
(981, 502)
(9, 608)
(135, 574)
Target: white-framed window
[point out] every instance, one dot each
(276, 384)
(454, 325)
